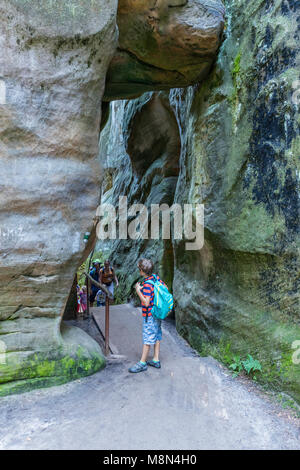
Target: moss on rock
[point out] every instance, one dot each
(45, 370)
(242, 288)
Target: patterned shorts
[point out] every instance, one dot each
(151, 330)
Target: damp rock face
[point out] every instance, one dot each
(240, 293)
(163, 44)
(239, 156)
(139, 153)
(53, 62)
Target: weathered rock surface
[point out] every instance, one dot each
(53, 61)
(55, 56)
(163, 44)
(240, 150)
(139, 153)
(232, 144)
(241, 292)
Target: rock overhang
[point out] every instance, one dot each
(163, 44)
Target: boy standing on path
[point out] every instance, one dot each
(152, 333)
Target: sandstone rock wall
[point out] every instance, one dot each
(53, 62)
(231, 143)
(241, 159)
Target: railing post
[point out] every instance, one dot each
(106, 325)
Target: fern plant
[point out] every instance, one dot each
(249, 365)
(236, 366)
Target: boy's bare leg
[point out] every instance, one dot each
(146, 349)
(156, 351)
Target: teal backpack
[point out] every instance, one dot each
(163, 301)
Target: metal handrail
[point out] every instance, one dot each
(108, 296)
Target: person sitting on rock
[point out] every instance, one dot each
(108, 277)
(152, 333)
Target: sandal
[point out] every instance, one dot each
(154, 364)
(138, 367)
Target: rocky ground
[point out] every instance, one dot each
(191, 403)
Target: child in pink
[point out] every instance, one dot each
(83, 298)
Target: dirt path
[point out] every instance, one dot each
(191, 403)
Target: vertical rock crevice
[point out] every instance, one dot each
(139, 151)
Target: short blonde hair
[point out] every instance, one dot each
(145, 265)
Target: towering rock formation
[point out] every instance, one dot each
(241, 159)
(231, 141)
(239, 141)
(54, 60)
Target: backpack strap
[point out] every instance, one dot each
(153, 284)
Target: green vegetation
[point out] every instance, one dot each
(288, 402)
(277, 375)
(249, 365)
(235, 74)
(236, 366)
(42, 370)
(236, 67)
(85, 266)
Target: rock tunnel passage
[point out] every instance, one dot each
(74, 60)
(237, 154)
(195, 404)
